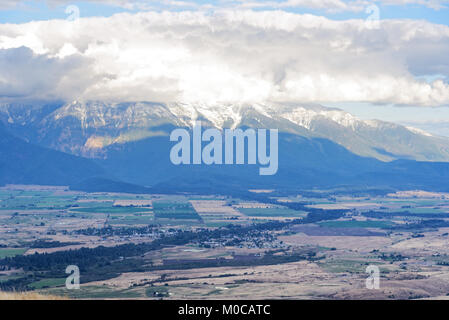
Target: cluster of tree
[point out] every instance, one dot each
(106, 262)
(390, 215)
(122, 231)
(268, 259)
(423, 224)
(314, 214)
(48, 244)
(391, 257)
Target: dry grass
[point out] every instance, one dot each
(27, 296)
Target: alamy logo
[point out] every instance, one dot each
(234, 147)
(373, 281)
(73, 280)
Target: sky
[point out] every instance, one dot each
(435, 11)
(386, 59)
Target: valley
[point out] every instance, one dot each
(315, 245)
(224, 150)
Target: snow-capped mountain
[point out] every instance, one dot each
(89, 128)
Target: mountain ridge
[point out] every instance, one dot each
(86, 128)
(305, 163)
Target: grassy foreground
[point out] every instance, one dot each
(27, 296)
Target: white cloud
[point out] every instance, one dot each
(227, 56)
(24, 75)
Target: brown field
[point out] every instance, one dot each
(412, 263)
(28, 296)
(216, 210)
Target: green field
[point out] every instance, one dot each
(175, 210)
(5, 253)
(48, 283)
(27, 200)
(95, 292)
(7, 278)
(340, 266)
(159, 291)
(111, 209)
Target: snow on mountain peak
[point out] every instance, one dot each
(219, 115)
(419, 131)
(79, 127)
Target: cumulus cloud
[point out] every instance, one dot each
(227, 56)
(25, 74)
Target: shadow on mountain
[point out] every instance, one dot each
(25, 163)
(304, 163)
(107, 185)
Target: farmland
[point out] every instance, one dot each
(175, 210)
(207, 247)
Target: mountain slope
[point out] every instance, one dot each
(304, 163)
(88, 128)
(318, 148)
(25, 163)
(107, 185)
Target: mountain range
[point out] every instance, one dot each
(128, 143)
(86, 129)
